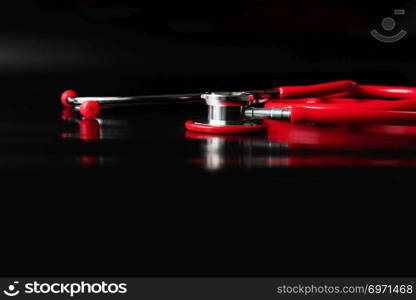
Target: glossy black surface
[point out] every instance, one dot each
(142, 197)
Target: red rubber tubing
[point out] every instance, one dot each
(314, 90)
(339, 95)
(383, 91)
(351, 116)
(398, 105)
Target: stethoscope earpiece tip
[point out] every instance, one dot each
(68, 94)
(89, 109)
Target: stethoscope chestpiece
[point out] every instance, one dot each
(226, 114)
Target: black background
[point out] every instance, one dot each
(146, 212)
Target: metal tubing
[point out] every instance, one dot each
(151, 99)
(270, 113)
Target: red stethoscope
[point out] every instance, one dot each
(338, 102)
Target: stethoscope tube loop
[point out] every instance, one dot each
(380, 91)
(401, 105)
(333, 115)
(351, 116)
(316, 90)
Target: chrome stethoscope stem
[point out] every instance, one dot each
(90, 107)
(139, 100)
(255, 113)
(153, 99)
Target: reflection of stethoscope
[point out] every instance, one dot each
(339, 102)
(300, 145)
(285, 144)
(91, 130)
